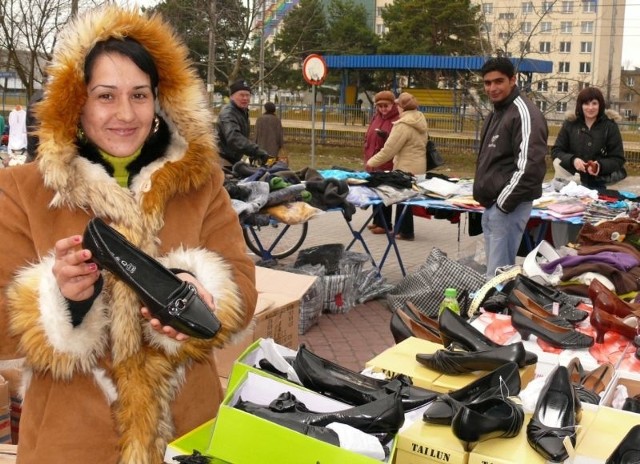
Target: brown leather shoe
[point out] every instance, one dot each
(408, 238)
(378, 230)
(372, 226)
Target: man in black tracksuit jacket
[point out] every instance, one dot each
(511, 163)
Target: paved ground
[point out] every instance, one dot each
(353, 338)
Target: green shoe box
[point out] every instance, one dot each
(242, 438)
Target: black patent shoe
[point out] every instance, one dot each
(628, 450)
(632, 404)
(503, 382)
(462, 362)
(404, 324)
(383, 416)
(560, 337)
(171, 300)
(456, 331)
(557, 412)
(330, 379)
(546, 297)
(494, 417)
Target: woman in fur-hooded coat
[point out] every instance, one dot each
(111, 389)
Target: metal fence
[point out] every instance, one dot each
(454, 128)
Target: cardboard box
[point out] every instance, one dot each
(401, 359)
(423, 443)
(614, 395)
(277, 314)
(240, 437)
(603, 435)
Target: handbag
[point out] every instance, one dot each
(615, 176)
(434, 159)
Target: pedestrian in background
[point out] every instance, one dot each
(269, 133)
(589, 142)
(511, 163)
(233, 128)
(407, 147)
(386, 112)
(17, 130)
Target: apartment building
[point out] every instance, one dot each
(630, 94)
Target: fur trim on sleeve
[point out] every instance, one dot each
(39, 315)
(216, 276)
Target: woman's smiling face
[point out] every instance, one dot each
(119, 111)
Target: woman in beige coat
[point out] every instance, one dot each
(125, 135)
(407, 146)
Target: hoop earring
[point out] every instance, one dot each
(82, 137)
(156, 124)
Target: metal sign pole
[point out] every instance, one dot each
(313, 127)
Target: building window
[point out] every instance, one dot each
(585, 67)
(589, 6)
(486, 28)
(565, 47)
(503, 35)
(586, 47)
(543, 86)
(527, 7)
(582, 85)
(626, 113)
(545, 26)
(525, 47)
(628, 97)
(561, 107)
(525, 28)
(567, 7)
(563, 86)
(586, 27)
(506, 16)
(545, 47)
(487, 8)
(564, 67)
(380, 29)
(631, 81)
(542, 105)
(547, 7)
(379, 12)
(566, 27)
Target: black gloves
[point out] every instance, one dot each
(381, 133)
(260, 157)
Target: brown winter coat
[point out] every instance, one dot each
(269, 134)
(111, 389)
(406, 145)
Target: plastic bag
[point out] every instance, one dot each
(328, 255)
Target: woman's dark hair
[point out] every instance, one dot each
(585, 96)
(126, 47)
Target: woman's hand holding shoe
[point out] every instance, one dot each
(75, 275)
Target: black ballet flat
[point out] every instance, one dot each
(383, 416)
(338, 382)
(628, 450)
(494, 417)
(456, 331)
(504, 381)
(171, 300)
(461, 362)
(557, 412)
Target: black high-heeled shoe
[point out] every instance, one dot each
(628, 450)
(632, 404)
(404, 325)
(557, 412)
(461, 362)
(456, 331)
(546, 297)
(493, 417)
(330, 379)
(502, 382)
(171, 300)
(383, 416)
(560, 337)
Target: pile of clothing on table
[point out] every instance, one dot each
(292, 197)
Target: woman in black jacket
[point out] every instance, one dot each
(589, 141)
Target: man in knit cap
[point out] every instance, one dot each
(233, 128)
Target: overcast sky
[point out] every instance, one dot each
(631, 41)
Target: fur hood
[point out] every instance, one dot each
(181, 102)
(611, 114)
